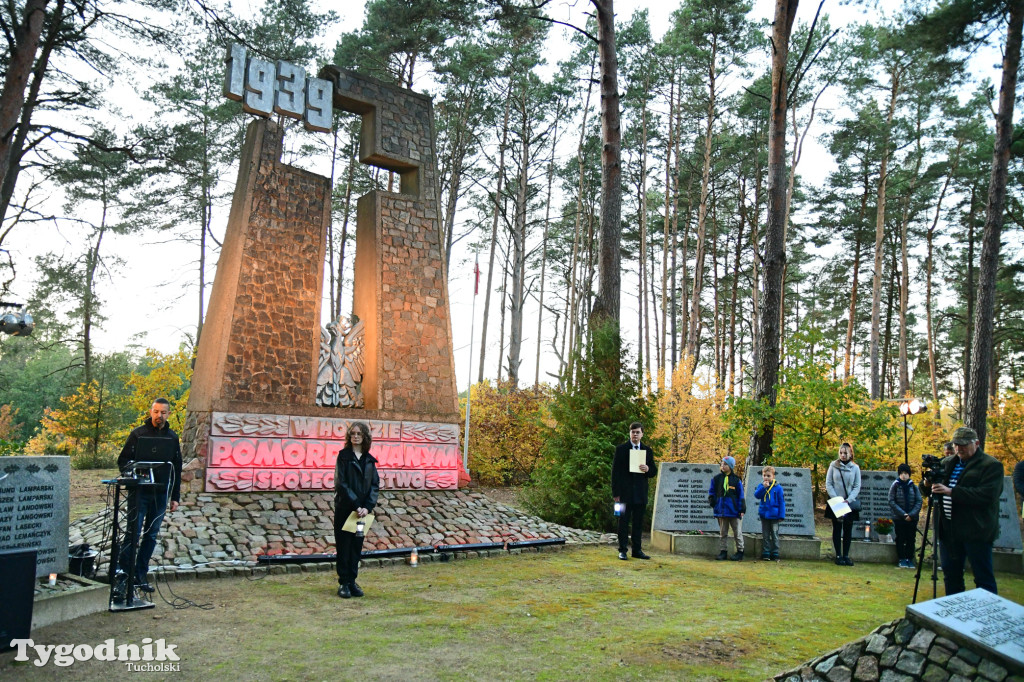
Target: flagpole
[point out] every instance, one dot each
(469, 387)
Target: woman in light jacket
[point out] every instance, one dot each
(843, 480)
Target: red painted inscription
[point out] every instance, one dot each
(410, 455)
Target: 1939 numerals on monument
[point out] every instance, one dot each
(265, 87)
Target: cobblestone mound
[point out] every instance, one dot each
(901, 651)
(214, 529)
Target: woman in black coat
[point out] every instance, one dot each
(356, 487)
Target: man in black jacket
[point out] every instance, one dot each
(968, 512)
(152, 498)
(629, 488)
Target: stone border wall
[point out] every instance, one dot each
(902, 651)
(218, 530)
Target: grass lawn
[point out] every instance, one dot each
(574, 614)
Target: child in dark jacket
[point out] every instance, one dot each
(726, 497)
(905, 503)
(771, 509)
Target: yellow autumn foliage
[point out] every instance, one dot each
(1004, 438)
(507, 426)
(690, 418)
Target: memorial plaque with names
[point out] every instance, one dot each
(874, 499)
(980, 619)
(681, 500)
(1009, 523)
(799, 495)
(34, 498)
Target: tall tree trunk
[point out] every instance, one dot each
(494, 234)
(775, 248)
(670, 142)
(735, 286)
(504, 309)
(606, 307)
(646, 346)
(981, 343)
(702, 212)
(876, 289)
(929, 269)
(92, 261)
(572, 330)
(680, 294)
(718, 342)
(972, 297)
(19, 65)
(852, 322)
(544, 245)
(518, 243)
(887, 336)
(904, 389)
(756, 264)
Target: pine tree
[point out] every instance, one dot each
(572, 483)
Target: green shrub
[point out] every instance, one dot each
(572, 483)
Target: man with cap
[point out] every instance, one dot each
(726, 498)
(629, 489)
(968, 512)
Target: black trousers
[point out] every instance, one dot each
(842, 534)
(349, 548)
(632, 513)
(906, 534)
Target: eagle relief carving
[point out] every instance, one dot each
(340, 374)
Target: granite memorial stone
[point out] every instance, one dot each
(987, 621)
(1009, 525)
(799, 495)
(874, 499)
(34, 498)
(681, 498)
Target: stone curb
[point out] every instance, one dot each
(900, 651)
(229, 531)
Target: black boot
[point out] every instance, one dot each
(722, 556)
(738, 556)
(344, 592)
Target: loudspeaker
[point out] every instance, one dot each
(17, 589)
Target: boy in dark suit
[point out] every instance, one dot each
(629, 488)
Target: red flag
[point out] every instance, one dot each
(476, 274)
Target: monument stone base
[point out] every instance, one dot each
(87, 597)
(708, 545)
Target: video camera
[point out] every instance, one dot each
(933, 470)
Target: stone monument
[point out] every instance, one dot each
(681, 498)
(874, 500)
(798, 493)
(874, 497)
(34, 499)
(984, 620)
(274, 390)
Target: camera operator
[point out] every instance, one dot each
(969, 511)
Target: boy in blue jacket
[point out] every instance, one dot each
(726, 497)
(771, 509)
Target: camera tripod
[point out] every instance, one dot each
(933, 509)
